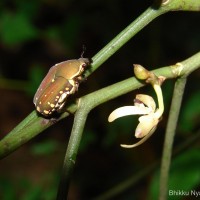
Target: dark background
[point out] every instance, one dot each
(34, 35)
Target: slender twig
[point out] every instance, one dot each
(169, 136)
(123, 37)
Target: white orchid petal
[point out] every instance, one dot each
(139, 132)
(147, 123)
(128, 110)
(147, 100)
(140, 141)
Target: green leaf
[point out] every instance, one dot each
(190, 113)
(44, 148)
(71, 29)
(6, 189)
(16, 29)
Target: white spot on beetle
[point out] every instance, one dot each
(52, 105)
(46, 112)
(38, 108)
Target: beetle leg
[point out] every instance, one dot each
(80, 79)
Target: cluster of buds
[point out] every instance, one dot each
(143, 105)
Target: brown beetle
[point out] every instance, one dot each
(62, 80)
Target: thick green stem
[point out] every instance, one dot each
(72, 149)
(180, 5)
(169, 136)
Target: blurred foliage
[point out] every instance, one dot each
(35, 77)
(184, 175)
(24, 189)
(34, 35)
(189, 119)
(19, 25)
(44, 148)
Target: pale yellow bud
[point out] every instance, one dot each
(140, 72)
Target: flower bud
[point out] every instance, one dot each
(141, 72)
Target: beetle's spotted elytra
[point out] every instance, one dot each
(61, 81)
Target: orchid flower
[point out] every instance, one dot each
(143, 105)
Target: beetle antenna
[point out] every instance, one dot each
(83, 51)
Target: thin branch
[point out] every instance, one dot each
(122, 38)
(169, 136)
(180, 5)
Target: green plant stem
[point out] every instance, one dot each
(180, 5)
(157, 9)
(123, 37)
(72, 150)
(169, 136)
(33, 125)
(30, 127)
